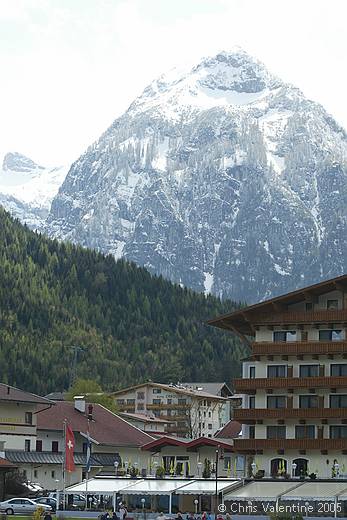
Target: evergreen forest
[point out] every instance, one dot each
(130, 326)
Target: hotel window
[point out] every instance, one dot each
(251, 372)
(38, 445)
(277, 371)
(251, 401)
(141, 395)
(338, 401)
(285, 335)
(27, 445)
(227, 462)
(120, 401)
(309, 371)
(35, 473)
(140, 406)
(156, 390)
(28, 418)
(308, 401)
(332, 304)
(169, 401)
(52, 474)
(276, 401)
(276, 432)
(330, 335)
(181, 401)
(156, 401)
(305, 432)
(338, 370)
(130, 401)
(251, 432)
(209, 426)
(338, 432)
(55, 446)
(309, 306)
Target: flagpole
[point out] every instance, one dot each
(63, 461)
(87, 462)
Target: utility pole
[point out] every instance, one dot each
(73, 372)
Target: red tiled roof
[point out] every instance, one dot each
(105, 428)
(4, 463)
(189, 444)
(231, 430)
(10, 393)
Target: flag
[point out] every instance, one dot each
(69, 449)
(88, 455)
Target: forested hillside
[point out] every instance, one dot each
(132, 326)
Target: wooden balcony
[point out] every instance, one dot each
(290, 444)
(252, 415)
(125, 407)
(308, 317)
(251, 385)
(173, 418)
(297, 348)
(177, 429)
(164, 406)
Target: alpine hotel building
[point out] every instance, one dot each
(294, 384)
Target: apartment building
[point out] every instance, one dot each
(294, 384)
(194, 413)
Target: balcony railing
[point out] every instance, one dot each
(254, 414)
(124, 406)
(321, 316)
(164, 406)
(294, 348)
(289, 382)
(291, 444)
(177, 429)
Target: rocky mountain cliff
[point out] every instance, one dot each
(27, 189)
(222, 178)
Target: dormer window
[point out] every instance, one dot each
(285, 335)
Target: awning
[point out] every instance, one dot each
(207, 487)
(102, 485)
(261, 491)
(316, 491)
(154, 487)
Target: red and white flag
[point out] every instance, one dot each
(69, 449)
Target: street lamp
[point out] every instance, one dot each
(216, 476)
(254, 467)
(143, 500)
(196, 501)
(116, 464)
(58, 494)
(294, 466)
(126, 464)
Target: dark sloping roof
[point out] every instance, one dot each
(10, 393)
(106, 427)
(56, 396)
(231, 430)
(48, 457)
(211, 388)
(239, 320)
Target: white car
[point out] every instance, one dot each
(21, 505)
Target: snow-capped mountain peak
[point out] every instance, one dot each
(219, 176)
(27, 189)
(16, 162)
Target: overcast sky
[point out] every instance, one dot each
(70, 67)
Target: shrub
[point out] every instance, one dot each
(207, 469)
(160, 472)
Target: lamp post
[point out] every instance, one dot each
(196, 501)
(143, 500)
(58, 494)
(254, 467)
(126, 464)
(216, 476)
(116, 464)
(294, 466)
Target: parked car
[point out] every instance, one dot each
(79, 501)
(48, 501)
(22, 505)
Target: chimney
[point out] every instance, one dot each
(80, 403)
(90, 412)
